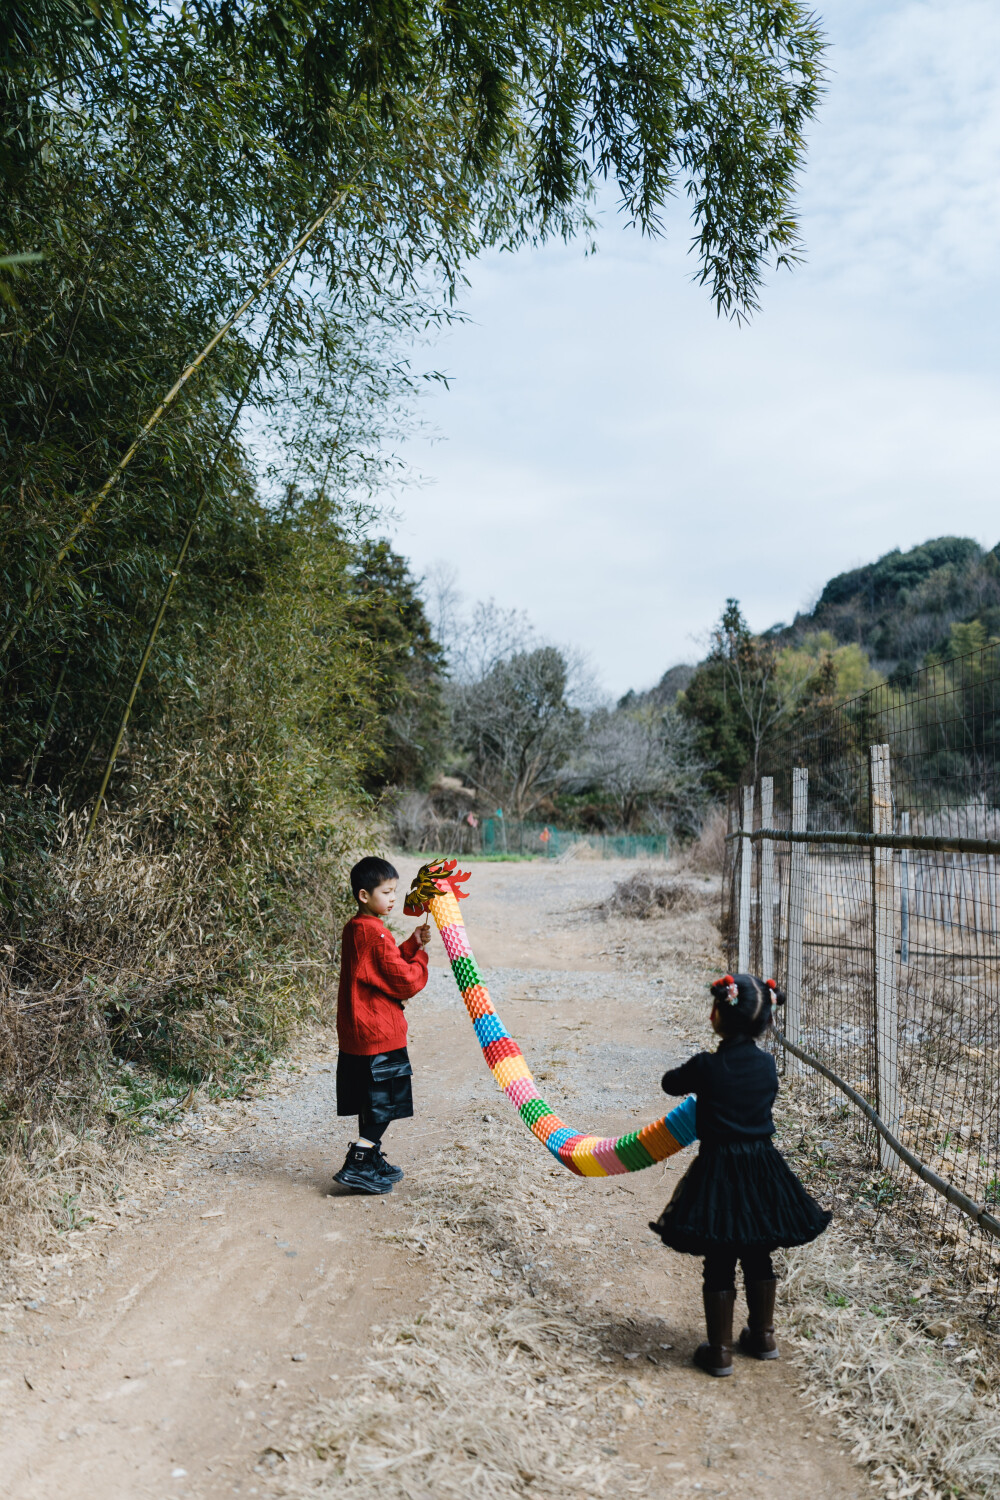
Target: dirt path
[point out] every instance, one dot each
(171, 1355)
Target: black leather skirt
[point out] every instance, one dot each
(378, 1086)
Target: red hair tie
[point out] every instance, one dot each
(770, 984)
(732, 993)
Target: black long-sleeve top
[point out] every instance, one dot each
(734, 1088)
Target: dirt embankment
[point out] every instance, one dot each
(494, 1327)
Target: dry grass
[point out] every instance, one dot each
(923, 1416)
(707, 854)
(181, 947)
(67, 1181)
(496, 1391)
(461, 1402)
(893, 1344)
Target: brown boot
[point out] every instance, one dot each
(716, 1356)
(757, 1339)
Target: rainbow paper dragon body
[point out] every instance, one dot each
(435, 890)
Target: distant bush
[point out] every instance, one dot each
(644, 895)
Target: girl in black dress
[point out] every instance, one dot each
(739, 1200)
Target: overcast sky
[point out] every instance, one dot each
(616, 461)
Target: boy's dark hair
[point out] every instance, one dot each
(744, 1003)
(371, 872)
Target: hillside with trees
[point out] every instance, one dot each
(874, 623)
(524, 731)
(908, 607)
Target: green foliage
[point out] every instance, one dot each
(200, 925)
(933, 606)
(544, 101)
(157, 161)
(161, 160)
(733, 700)
(817, 668)
(408, 696)
(724, 740)
(962, 640)
(901, 608)
(881, 582)
(748, 691)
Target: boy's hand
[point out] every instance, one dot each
(423, 934)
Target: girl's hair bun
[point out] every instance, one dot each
(744, 1003)
(725, 990)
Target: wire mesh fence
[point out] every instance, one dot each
(862, 874)
(498, 836)
(514, 836)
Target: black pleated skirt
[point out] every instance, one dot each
(378, 1086)
(739, 1195)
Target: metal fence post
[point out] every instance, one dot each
(884, 908)
(904, 894)
(746, 876)
(766, 879)
(797, 876)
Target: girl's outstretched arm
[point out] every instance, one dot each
(685, 1079)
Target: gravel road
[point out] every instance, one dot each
(175, 1346)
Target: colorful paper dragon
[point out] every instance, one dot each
(436, 890)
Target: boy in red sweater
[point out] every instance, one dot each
(377, 978)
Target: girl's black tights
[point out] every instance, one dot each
(369, 1130)
(720, 1268)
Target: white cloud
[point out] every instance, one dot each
(900, 192)
(618, 461)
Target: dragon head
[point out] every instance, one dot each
(430, 880)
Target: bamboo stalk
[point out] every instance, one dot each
(175, 572)
(94, 506)
(48, 721)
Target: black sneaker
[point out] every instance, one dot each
(361, 1171)
(389, 1172)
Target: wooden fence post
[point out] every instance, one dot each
(884, 908)
(746, 878)
(766, 879)
(797, 880)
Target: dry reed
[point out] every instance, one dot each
(706, 855)
(189, 939)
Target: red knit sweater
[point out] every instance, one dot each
(375, 975)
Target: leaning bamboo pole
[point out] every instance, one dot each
(175, 571)
(94, 505)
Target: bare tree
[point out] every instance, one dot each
(646, 764)
(517, 727)
(474, 639)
